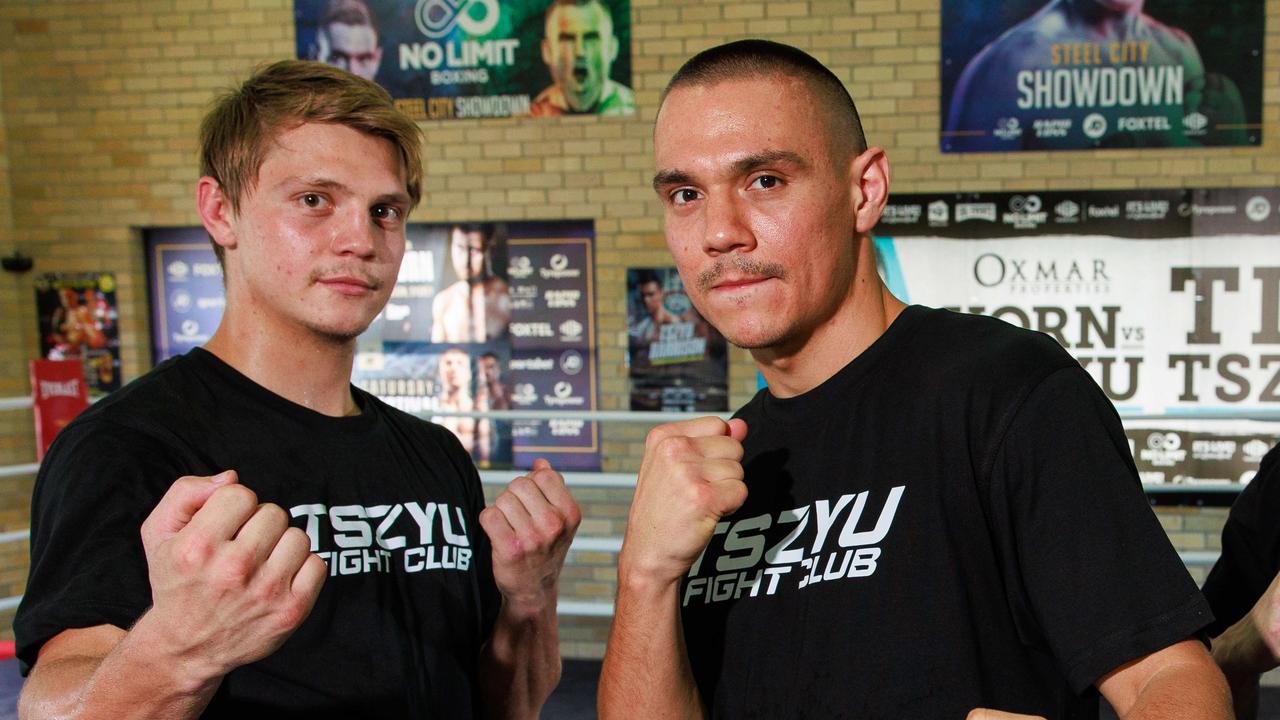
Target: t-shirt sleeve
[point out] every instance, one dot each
(95, 487)
(1085, 554)
(1250, 548)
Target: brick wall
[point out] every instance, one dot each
(99, 103)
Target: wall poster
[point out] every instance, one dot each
(484, 316)
(1169, 298)
(677, 361)
(77, 315)
(1076, 74)
(445, 59)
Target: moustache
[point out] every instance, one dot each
(744, 266)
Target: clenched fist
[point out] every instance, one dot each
(230, 580)
(690, 477)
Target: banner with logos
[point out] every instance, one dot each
(677, 361)
(185, 282)
(445, 59)
(1169, 298)
(1063, 75)
(58, 395)
(77, 315)
(484, 316)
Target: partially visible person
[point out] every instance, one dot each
(455, 395)
(492, 393)
(1243, 588)
(579, 48)
(348, 38)
(241, 533)
(648, 327)
(1096, 40)
(477, 306)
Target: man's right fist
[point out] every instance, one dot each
(230, 579)
(690, 477)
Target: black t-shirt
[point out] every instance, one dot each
(951, 521)
(389, 501)
(1250, 548)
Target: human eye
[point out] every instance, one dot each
(313, 201)
(684, 196)
(766, 182)
(387, 214)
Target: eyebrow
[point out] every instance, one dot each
(327, 184)
(741, 166)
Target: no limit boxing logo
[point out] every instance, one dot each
(747, 557)
(438, 18)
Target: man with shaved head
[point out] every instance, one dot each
(924, 514)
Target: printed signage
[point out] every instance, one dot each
(445, 59)
(1063, 75)
(1169, 298)
(678, 362)
(484, 316)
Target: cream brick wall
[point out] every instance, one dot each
(99, 104)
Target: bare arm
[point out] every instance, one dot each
(1179, 681)
(530, 526)
(230, 581)
(103, 672)
(690, 477)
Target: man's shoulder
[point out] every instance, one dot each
(154, 398)
(983, 348)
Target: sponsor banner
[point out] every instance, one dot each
(445, 59)
(1174, 452)
(185, 282)
(484, 316)
(78, 320)
(1170, 299)
(677, 361)
(1062, 75)
(58, 395)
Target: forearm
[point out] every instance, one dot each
(1182, 691)
(133, 680)
(646, 670)
(521, 662)
(1243, 656)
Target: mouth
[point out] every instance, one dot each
(353, 285)
(580, 74)
(733, 284)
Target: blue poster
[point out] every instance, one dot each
(484, 316)
(1078, 74)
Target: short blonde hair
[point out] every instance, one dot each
(238, 129)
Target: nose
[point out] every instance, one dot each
(726, 229)
(356, 234)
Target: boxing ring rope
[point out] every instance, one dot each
(611, 544)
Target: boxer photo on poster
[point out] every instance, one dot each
(1078, 74)
(678, 361)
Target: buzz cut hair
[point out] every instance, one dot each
(756, 58)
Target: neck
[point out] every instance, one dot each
(297, 364)
(866, 312)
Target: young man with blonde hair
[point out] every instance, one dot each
(320, 553)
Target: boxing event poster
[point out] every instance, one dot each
(444, 59)
(77, 315)
(677, 361)
(1076, 74)
(1169, 298)
(484, 316)
(185, 282)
